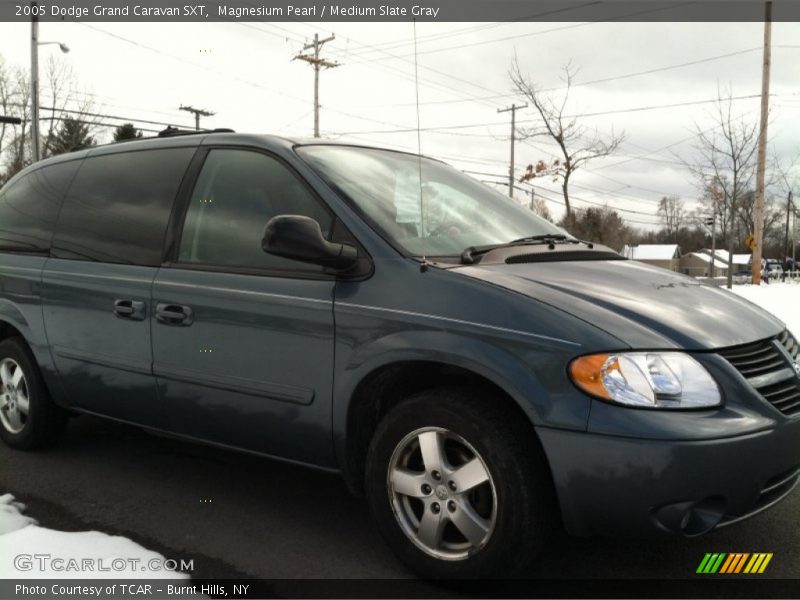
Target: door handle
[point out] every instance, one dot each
(174, 314)
(134, 310)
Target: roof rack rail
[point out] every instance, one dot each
(171, 131)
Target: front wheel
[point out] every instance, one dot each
(458, 487)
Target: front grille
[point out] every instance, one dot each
(785, 396)
(787, 340)
(756, 359)
(767, 367)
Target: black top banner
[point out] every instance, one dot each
(397, 10)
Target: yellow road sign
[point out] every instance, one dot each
(750, 241)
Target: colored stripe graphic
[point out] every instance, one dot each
(711, 563)
(758, 563)
(734, 563)
(703, 563)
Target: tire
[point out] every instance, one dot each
(509, 516)
(28, 417)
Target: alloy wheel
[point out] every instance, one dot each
(14, 396)
(442, 493)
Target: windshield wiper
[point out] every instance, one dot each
(469, 254)
(544, 237)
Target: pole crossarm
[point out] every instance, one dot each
(197, 112)
(319, 63)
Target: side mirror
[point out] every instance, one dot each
(300, 238)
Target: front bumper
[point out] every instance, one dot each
(617, 485)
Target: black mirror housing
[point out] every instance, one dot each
(300, 238)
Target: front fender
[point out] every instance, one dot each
(533, 376)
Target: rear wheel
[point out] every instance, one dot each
(458, 487)
(28, 417)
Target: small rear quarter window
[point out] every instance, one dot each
(29, 207)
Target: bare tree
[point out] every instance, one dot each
(785, 175)
(577, 143)
(60, 93)
(672, 214)
(539, 206)
(727, 164)
(59, 97)
(16, 153)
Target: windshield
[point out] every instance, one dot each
(440, 215)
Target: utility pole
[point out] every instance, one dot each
(197, 112)
(712, 221)
(513, 109)
(318, 63)
(35, 141)
(794, 237)
(789, 206)
(762, 146)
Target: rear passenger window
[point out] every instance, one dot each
(29, 207)
(237, 192)
(119, 205)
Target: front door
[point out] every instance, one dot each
(242, 340)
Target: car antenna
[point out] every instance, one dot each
(424, 266)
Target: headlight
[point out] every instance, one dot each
(647, 379)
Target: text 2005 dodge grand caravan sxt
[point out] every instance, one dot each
(477, 373)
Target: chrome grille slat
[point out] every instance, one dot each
(795, 395)
(768, 368)
(745, 364)
(784, 390)
(764, 362)
(736, 356)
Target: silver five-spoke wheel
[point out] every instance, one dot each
(442, 493)
(14, 396)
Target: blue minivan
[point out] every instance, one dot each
(481, 376)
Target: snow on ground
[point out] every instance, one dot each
(23, 544)
(781, 299)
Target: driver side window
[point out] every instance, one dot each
(237, 192)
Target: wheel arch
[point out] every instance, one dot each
(14, 323)
(385, 384)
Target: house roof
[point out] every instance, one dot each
(651, 251)
(742, 259)
(706, 258)
(719, 252)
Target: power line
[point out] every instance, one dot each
(231, 76)
(105, 116)
(562, 28)
(574, 116)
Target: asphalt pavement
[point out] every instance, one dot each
(241, 516)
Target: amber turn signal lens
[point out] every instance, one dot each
(587, 373)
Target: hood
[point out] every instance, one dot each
(645, 307)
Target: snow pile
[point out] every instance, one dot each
(28, 551)
(11, 517)
(781, 299)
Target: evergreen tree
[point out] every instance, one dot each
(126, 131)
(71, 135)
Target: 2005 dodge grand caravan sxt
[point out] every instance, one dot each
(479, 375)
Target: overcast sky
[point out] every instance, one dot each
(244, 73)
